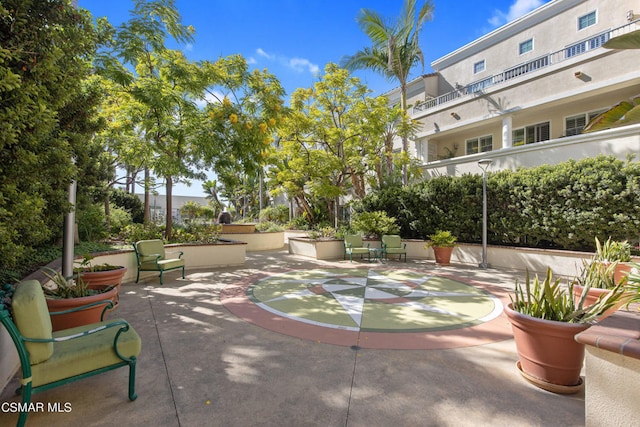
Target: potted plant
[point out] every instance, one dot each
(98, 275)
(88, 304)
(545, 318)
(442, 243)
(613, 251)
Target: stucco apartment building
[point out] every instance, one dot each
(521, 94)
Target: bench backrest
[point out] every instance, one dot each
(150, 247)
(391, 241)
(31, 317)
(353, 241)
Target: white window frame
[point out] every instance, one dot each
(586, 15)
(526, 42)
(477, 65)
(483, 143)
(587, 117)
(526, 133)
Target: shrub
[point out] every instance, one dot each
(134, 232)
(278, 214)
(374, 223)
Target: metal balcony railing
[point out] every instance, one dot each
(552, 58)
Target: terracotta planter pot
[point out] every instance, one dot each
(82, 317)
(443, 254)
(547, 349)
(592, 296)
(622, 270)
(103, 278)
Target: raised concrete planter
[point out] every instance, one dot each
(563, 263)
(258, 241)
(612, 367)
(239, 228)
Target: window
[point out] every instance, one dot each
(531, 134)
(526, 46)
(478, 67)
(573, 125)
(479, 145)
(586, 20)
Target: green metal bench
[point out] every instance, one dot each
(151, 256)
(353, 245)
(50, 359)
(392, 244)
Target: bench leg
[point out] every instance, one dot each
(138, 276)
(132, 380)
(25, 390)
(183, 272)
(161, 277)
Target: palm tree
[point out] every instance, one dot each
(395, 49)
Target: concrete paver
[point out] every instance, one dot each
(203, 366)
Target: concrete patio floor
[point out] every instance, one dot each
(203, 366)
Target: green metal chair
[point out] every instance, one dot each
(353, 245)
(151, 256)
(50, 359)
(392, 244)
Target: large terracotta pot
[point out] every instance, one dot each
(443, 254)
(548, 351)
(82, 317)
(592, 296)
(102, 278)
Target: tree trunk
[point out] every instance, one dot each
(405, 140)
(147, 208)
(169, 216)
(107, 212)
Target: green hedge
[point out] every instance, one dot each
(560, 206)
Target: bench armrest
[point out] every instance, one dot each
(180, 253)
(121, 324)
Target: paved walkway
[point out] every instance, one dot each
(212, 357)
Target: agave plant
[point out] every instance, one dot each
(550, 300)
(63, 288)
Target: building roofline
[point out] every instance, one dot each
(535, 17)
(411, 82)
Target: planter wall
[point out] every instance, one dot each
(239, 228)
(262, 241)
(612, 366)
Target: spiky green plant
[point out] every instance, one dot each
(550, 300)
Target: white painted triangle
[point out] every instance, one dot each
(352, 305)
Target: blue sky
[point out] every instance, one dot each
(295, 39)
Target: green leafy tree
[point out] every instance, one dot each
(178, 139)
(395, 50)
(331, 142)
(48, 114)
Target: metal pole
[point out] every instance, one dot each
(68, 232)
(484, 164)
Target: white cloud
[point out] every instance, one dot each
(251, 60)
(261, 52)
(516, 10)
(299, 64)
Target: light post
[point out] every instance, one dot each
(484, 164)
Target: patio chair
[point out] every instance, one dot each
(353, 245)
(392, 244)
(151, 256)
(50, 359)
